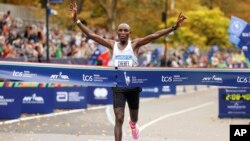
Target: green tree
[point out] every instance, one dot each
(204, 28)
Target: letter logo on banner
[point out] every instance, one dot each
(236, 106)
(62, 96)
(244, 48)
(151, 90)
(166, 78)
(34, 99)
(72, 96)
(101, 93)
(59, 77)
(166, 89)
(5, 101)
(127, 79)
(214, 78)
(243, 79)
(23, 74)
(87, 78)
(16, 73)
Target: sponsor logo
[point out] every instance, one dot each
(34, 99)
(173, 78)
(166, 78)
(59, 76)
(245, 48)
(23, 74)
(243, 79)
(94, 78)
(166, 89)
(64, 96)
(100, 93)
(246, 34)
(151, 90)
(213, 79)
(127, 79)
(5, 101)
(236, 106)
(87, 78)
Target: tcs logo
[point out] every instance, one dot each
(166, 78)
(87, 78)
(16, 73)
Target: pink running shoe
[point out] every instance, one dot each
(134, 130)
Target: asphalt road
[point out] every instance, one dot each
(187, 116)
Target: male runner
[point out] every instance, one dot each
(124, 54)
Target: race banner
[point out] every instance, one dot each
(234, 102)
(52, 73)
(123, 77)
(136, 77)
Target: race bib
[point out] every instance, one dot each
(123, 61)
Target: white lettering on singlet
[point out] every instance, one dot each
(123, 61)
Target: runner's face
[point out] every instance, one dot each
(123, 32)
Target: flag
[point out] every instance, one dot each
(93, 60)
(245, 35)
(235, 40)
(236, 26)
(104, 57)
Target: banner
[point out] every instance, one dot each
(71, 98)
(234, 102)
(63, 74)
(10, 104)
(99, 95)
(123, 77)
(141, 77)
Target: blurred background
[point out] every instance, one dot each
(203, 40)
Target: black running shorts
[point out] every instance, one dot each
(131, 95)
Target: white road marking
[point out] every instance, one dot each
(108, 113)
(174, 114)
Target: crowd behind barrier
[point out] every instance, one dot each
(27, 42)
